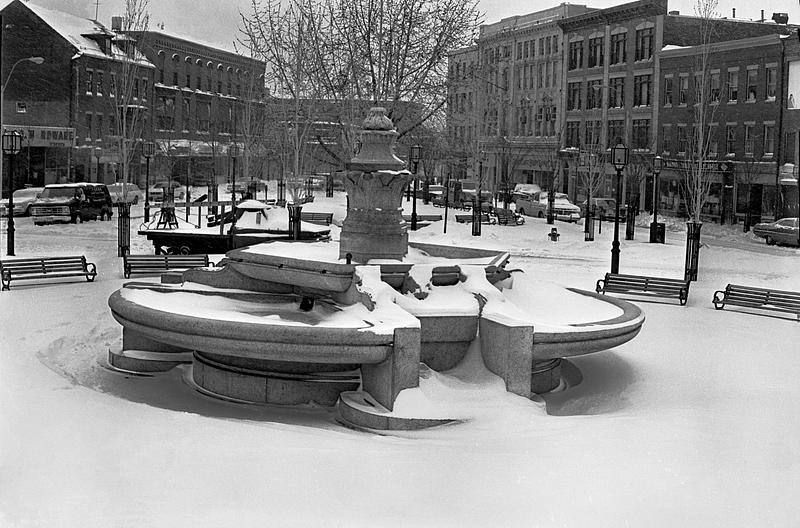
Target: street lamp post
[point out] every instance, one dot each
(12, 143)
(476, 206)
(34, 60)
(619, 158)
(148, 149)
(658, 164)
(415, 154)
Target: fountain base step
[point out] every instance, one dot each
(145, 361)
(281, 388)
(361, 411)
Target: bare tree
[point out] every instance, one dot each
(129, 85)
(696, 168)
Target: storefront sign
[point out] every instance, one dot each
(37, 136)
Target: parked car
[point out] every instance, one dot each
(23, 198)
(158, 191)
(537, 205)
(524, 190)
(72, 202)
(125, 192)
(604, 209)
(783, 231)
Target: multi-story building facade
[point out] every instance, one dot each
(504, 97)
(205, 99)
(66, 107)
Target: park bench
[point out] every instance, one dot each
(761, 298)
(141, 264)
(316, 218)
(467, 218)
(45, 268)
(507, 217)
(645, 286)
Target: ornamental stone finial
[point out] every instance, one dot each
(377, 120)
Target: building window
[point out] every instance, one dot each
(165, 113)
(713, 140)
(576, 55)
(112, 84)
(666, 139)
(641, 134)
(574, 96)
(555, 43)
(772, 77)
(616, 132)
(618, 42)
(682, 140)
(769, 140)
(730, 140)
(593, 131)
(752, 81)
(643, 90)
(89, 82)
(733, 86)
(595, 52)
(186, 113)
(573, 134)
(668, 91)
(145, 89)
(22, 107)
(203, 116)
(88, 123)
(594, 94)
(683, 90)
(99, 127)
(112, 125)
(616, 96)
(715, 87)
(644, 44)
(98, 76)
(749, 140)
(174, 78)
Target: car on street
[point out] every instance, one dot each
(72, 202)
(125, 192)
(23, 198)
(159, 190)
(604, 209)
(781, 232)
(537, 205)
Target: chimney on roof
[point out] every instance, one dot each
(734, 13)
(116, 23)
(780, 18)
(762, 16)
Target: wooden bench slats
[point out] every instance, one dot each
(759, 298)
(44, 268)
(142, 264)
(644, 285)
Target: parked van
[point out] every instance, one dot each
(537, 205)
(72, 202)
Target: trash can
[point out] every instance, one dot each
(588, 228)
(657, 232)
(295, 216)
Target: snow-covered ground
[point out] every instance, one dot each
(693, 423)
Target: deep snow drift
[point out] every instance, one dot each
(693, 423)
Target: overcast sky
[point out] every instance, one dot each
(216, 21)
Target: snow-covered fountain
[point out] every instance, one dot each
(349, 323)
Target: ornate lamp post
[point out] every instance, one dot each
(12, 143)
(415, 155)
(619, 158)
(233, 152)
(148, 149)
(658, 164)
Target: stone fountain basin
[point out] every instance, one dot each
(252, 325)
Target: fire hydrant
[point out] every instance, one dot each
(554, 234)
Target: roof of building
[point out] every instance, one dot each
(77, 31)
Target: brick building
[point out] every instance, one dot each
(65, 106)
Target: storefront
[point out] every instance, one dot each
(46, 155)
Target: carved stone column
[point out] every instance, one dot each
(374, 227)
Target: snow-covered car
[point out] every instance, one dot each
(605, 209)
(158, 191)
(23, 198)
(125, 192)
(537, 205)
(783, 231)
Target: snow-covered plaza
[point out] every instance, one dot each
(692, 423)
